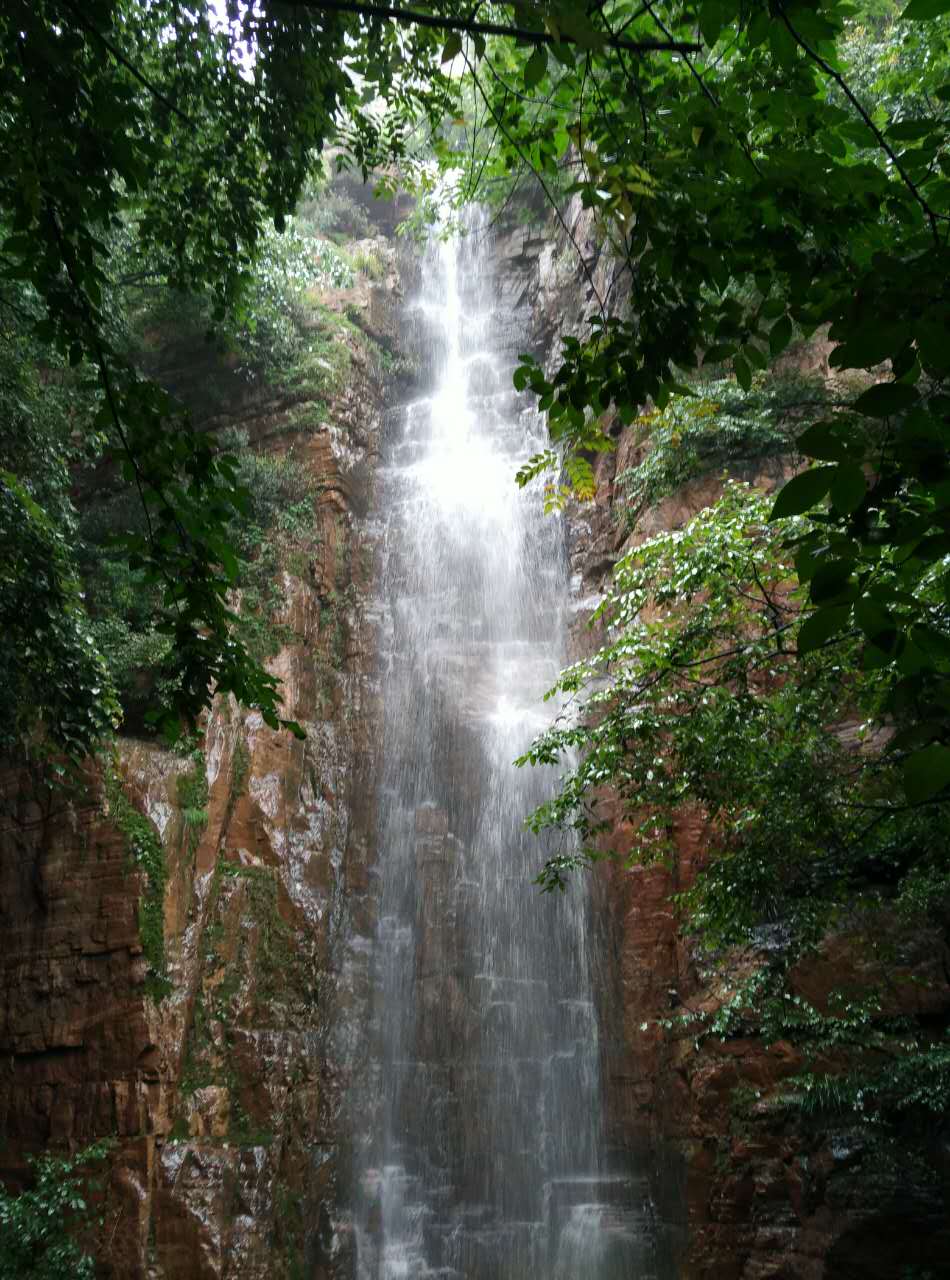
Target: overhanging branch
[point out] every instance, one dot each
(466, 26)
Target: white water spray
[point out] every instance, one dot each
(482, 1154)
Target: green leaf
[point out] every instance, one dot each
(742, 371)
(934, 642)
(564, 54)
(713, 16)
(803, 492)
(926, 773)
(536, 67)
(780, 335)
(918, 735)
(868, 346)
(719, 352)
(831, 582)
(848, 487)
(911, 130)
(756, 358)
(452, 47)
(876, 623)
(834, 441)
(885, 398)
(924, 10)
(820, 626)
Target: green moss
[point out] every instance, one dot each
(199, 1071)
(291, 1234)
(275, 960)
(741, 1104)
(333, 624)
(193, 800)
(179, 1130)
(241, 1130)
(322, 358)
(147, 855)
(196, 1070)
(367, 262)
(240, 764)
(267, 958)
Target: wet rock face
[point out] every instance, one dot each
(264, 905)
(79, 1043)
(225, 1097)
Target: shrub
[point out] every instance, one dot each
(39, 1226)
(718, 425)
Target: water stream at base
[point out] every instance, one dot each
(482, 1154)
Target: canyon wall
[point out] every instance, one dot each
(222, 1080)
(226, 1090)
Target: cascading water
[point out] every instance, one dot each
(482, 1155)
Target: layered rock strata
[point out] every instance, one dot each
(222, 1082)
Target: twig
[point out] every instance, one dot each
(471, 27)
(129, 66)
(882, 142)
(544, 187)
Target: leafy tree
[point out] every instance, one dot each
(698, 699)
(55, 677)
(143, 142)
(784, 170)
(39, 1226)
(55, 670)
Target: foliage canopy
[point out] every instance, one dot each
(788, 175)
(146, 143)
(758, 169)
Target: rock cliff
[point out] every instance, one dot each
(223, 1078)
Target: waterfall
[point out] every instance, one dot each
(482, 1151)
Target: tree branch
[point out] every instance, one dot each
(466, 26)
(544, 187)
(882, 142)
(129, 66)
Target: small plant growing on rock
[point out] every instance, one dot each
(41, 1227)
